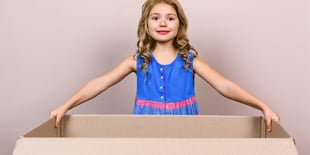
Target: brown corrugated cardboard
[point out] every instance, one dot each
(156, 134)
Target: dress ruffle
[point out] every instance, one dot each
(185, 107)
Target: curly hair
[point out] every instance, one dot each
(146, 43)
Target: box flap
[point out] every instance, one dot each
(156, 135)
(158, 126)
(161, 126)
(154, 146)
(46, 129)
(277, 131)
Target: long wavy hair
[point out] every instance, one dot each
(146, 43)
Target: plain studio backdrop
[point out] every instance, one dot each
(50, 48)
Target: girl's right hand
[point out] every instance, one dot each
(59, 113)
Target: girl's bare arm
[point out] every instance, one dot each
(232, 91)
(95, 87)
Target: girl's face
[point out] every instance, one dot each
(163, 23)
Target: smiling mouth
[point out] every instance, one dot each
(162, 32)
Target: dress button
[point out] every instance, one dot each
(161, 77)
(161, 87)
(161, 69)
(162, 97)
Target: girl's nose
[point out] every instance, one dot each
(163, 22)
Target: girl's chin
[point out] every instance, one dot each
(163, 40)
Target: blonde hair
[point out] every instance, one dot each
(146, 43)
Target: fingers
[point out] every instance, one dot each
(276, 118)
(57, 118)
(269, 125)
(52, 115)
(57, 122)
(269, 121)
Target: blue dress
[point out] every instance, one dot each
(167, 89)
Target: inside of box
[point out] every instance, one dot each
(157, 126)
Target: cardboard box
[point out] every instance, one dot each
(156, 135)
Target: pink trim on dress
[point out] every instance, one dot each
(166, 105)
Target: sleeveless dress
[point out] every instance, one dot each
(166, 89)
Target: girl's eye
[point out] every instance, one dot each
(171, 18)
(155, 18)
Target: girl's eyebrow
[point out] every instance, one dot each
(169, 14)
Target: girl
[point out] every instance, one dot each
(165, 64)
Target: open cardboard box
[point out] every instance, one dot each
(156, 135)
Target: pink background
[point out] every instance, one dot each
(50, 48)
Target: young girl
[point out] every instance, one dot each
(165, 64)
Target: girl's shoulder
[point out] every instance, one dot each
(192, 53)
(130, 61)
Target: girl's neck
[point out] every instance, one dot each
(165, 48)
(165, 53)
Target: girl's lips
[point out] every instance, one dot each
(162, 32)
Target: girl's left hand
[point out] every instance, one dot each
(269, 117)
